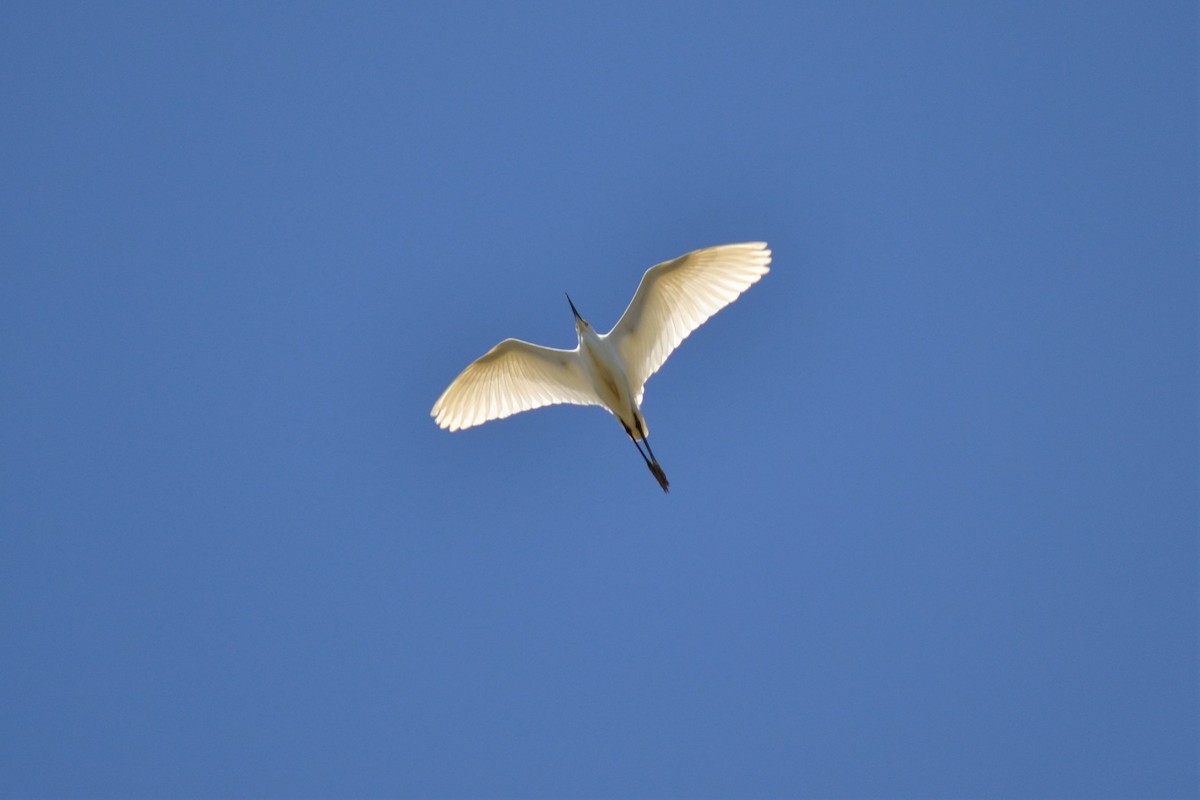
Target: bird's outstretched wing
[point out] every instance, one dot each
(513, 376)
(676, 297)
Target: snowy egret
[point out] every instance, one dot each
(608, 369)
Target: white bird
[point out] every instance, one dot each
(610, 369)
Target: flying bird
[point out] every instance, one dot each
(608, 369)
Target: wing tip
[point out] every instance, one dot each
(758, 252)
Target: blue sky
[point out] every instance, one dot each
(933, 521)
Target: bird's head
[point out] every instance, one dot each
(581, 324)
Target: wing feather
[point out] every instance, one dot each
(676, 297)
(512, 377)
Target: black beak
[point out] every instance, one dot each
(573, 311)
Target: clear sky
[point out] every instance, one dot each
(933, 522)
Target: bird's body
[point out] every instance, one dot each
(608, 370)
(602, 364)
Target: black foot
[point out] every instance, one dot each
(661, 476)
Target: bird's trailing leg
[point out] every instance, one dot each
(651, 462)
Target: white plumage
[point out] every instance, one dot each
(608, 370)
